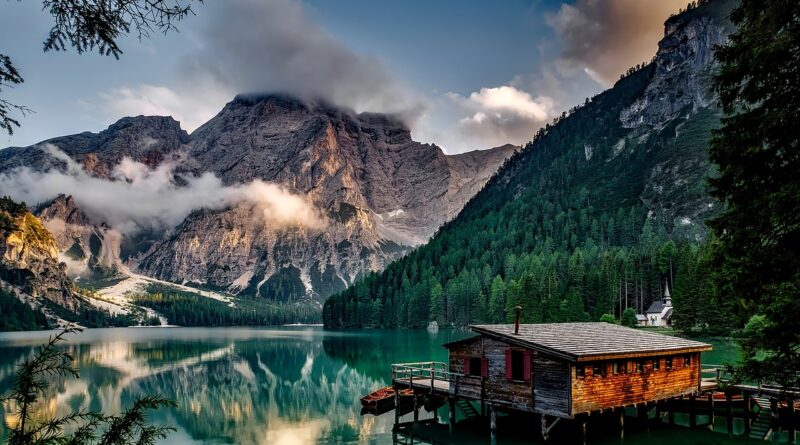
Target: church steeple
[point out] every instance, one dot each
(667, 297)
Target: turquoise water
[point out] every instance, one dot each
(293, 385)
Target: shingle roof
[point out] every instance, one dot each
(656, 307)
(591, 341)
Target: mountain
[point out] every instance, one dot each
(602, 210)
(379, 194)
(29, 257)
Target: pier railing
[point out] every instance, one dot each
(424, 374)
(715, 373)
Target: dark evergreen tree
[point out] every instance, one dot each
(757, 150)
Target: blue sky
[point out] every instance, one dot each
(464, 74)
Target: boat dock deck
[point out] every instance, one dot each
(431, 377)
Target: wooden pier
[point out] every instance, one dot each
(500, 371)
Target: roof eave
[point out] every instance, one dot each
(526, 344)
(702, 347)
(643, 354)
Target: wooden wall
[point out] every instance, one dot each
(551, 386)
(592, 393)
(546, 391)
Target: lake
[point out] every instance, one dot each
(288, 385)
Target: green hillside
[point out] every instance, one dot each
(584, 221)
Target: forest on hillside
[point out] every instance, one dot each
(561, 231)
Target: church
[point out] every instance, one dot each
(659, 313)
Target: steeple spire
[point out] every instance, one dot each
(667, 297)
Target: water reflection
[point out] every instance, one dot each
(244, 386)
(265, 386)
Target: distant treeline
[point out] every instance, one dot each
(190, 309)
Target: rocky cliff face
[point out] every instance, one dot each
(146, 139)
(683, 67)
(29, 257)
(379, 194)
(678, 107)
(88, 250)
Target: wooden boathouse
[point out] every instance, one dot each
(559, 370)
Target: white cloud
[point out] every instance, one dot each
(266, 46)
(184, 105)
(501, 115)
(139, 197)
(603, 38)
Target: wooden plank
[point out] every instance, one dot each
(551, 385)
(592, 393)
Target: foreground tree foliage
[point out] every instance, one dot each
(26, 402)
(92, 25)
(757, 258)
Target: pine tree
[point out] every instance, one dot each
(757, 150)
(497, 303)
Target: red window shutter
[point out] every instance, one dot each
(508, 364)
(484, 367)
(527, 365)
(465, 364)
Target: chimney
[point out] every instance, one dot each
(517, 309)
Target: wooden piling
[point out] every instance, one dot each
(452, 420)
(659, 418)
(729, 410)
(671, 407)
(692, 411)
(492, 419)
(416, 410)
(791, 420)
(396, 407)
(711, 413)
(584, 428)
(773, 411)
(748, 414)
(545, 431)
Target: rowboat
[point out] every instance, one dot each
(382, 400)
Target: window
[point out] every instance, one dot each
(668, 363)
(640, 366)
(599, 370)
(619, 368)
(656, 364)
(580, 371)
(475, 366)
(687, 360)
(517, 365)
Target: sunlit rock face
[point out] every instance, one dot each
(378, 194)
(684, 65)
(29, 259)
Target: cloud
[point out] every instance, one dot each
(263, 46)
(138, 197)
(502, 115)
(184, 104)
(606, 37)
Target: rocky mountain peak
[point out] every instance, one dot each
(29, 257)
(682, 67)
(65, 209)
(381, 193)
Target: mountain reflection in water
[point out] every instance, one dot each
(295, 385)
(285, 386)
